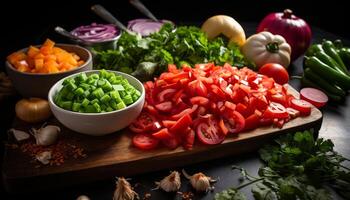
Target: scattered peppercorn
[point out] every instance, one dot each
(61, 151)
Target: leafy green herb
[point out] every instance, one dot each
(297, 167)
(183, 44)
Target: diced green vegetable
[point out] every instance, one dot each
(76, 107)
(105, 99)
(95, 93)
(79, 91)
(121, 105)
(127, 99)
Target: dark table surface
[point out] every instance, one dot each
(335, 126)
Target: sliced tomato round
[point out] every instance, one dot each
(302, 106)
(315, 96)
(209, 132)
(144, 122)
(275, 110)
(293, 113)
(234, 121)
(145, 141)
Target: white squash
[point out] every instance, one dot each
(225, 25)
(264, 47)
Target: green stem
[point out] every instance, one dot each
(249, 183)
(272, 47)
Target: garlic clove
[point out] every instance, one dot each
(170, 183)
(19, 135)
(47, 135)
(124, 190)
(44, 157)
(199, 181)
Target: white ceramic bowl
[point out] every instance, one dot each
(98, 124)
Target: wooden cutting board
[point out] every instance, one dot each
(113, 155)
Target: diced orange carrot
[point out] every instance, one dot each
(22, 66)
(32, 51)
(46, 59)
(50, 57)
(57, 50)
(31, 62)
(39, 63)
(16, 56)
(75, 56)
(46, 50)
(72, 61)
(80, 62)
(49, 43)
(39, 56)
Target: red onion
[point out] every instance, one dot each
(96, 32)
(294, 29)
(145, 26)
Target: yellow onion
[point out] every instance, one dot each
(33, 110)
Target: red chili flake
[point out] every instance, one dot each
(60, 151)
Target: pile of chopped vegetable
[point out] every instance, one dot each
(96, 93)
(170, 45)
(46, 59)
(211, 102)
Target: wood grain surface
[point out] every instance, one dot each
(113, 155)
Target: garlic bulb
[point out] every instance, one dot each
(170, 183)
(199, 181)
(47, 135)
(44, 157)
(19, 135)
(83, 197)
(124, 191)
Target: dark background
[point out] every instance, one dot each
(31, 22)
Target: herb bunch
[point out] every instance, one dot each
(297, 167)
(171, 45)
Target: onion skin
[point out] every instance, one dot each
(294, 29)
(33, 110)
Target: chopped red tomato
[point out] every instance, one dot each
(144, 141)
(188, 140)
(302, 106)
(198, 100)
(275, 110)
(182, 124)
(162, 134)
(165, 106)
(209, 132)
(210, 102)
